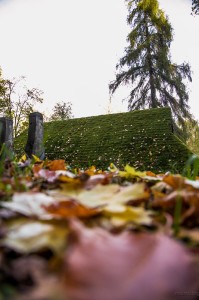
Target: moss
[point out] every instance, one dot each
(144, 139)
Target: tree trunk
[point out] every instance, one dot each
(151, 78)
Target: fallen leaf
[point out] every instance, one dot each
(48, 175)
(193, 183)
(30, 204)
(55, 165)
(175, 181)
(102, 195)
(36, 159)
(190, 198)
(120, 215)
(70, 208)
(150, 174)
(190, 204)
(75, 181)
(98, 196)
(23, 158)
(27, 236)
(99, 265)
(130, 172)
(48, 288)
(36, 168)
(162, 187)
(92, 171)
(97, 179)
(192, 234)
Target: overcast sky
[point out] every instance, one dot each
(69, 49)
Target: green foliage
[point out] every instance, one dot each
(143, 139)
(147, 66)
(191, 169)
(2, 88)
(62, 111)
(192, 136)
(17, 101)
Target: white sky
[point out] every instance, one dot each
(69, 49)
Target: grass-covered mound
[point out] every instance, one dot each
(143, 139)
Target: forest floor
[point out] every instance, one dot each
(72, 234)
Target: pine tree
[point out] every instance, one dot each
(147, 65)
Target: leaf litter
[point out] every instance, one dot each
(73, 234)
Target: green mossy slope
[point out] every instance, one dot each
(144, 139)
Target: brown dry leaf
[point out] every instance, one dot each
(55, 165)
(92, 171)
(157, 194)
(190, 205)
(99, 265)
(191, 198)
(48, 288)
(98, 179)
(70, 208)
(28, 269)
(36, 168)
(162, 187)
(149, 173)
(193, 234)
(175, 181)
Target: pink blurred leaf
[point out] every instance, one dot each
(140, 266)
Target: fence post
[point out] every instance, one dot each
(6, 134)
(34, 143)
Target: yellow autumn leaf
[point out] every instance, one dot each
(36, 159)
(113, 168)
(136, 191)
(120, 214)
(102, 195)
(92, 171)
(98, 196)
(23, 158)
(131, 172)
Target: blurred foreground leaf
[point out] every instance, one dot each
(126, 266)
(28, 236)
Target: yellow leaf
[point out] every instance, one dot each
(131, 172)
(113, 168)
(132, 192)
(121, 215)
(98, 196)
(102, 195)
(36, 159)
(23, 158)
